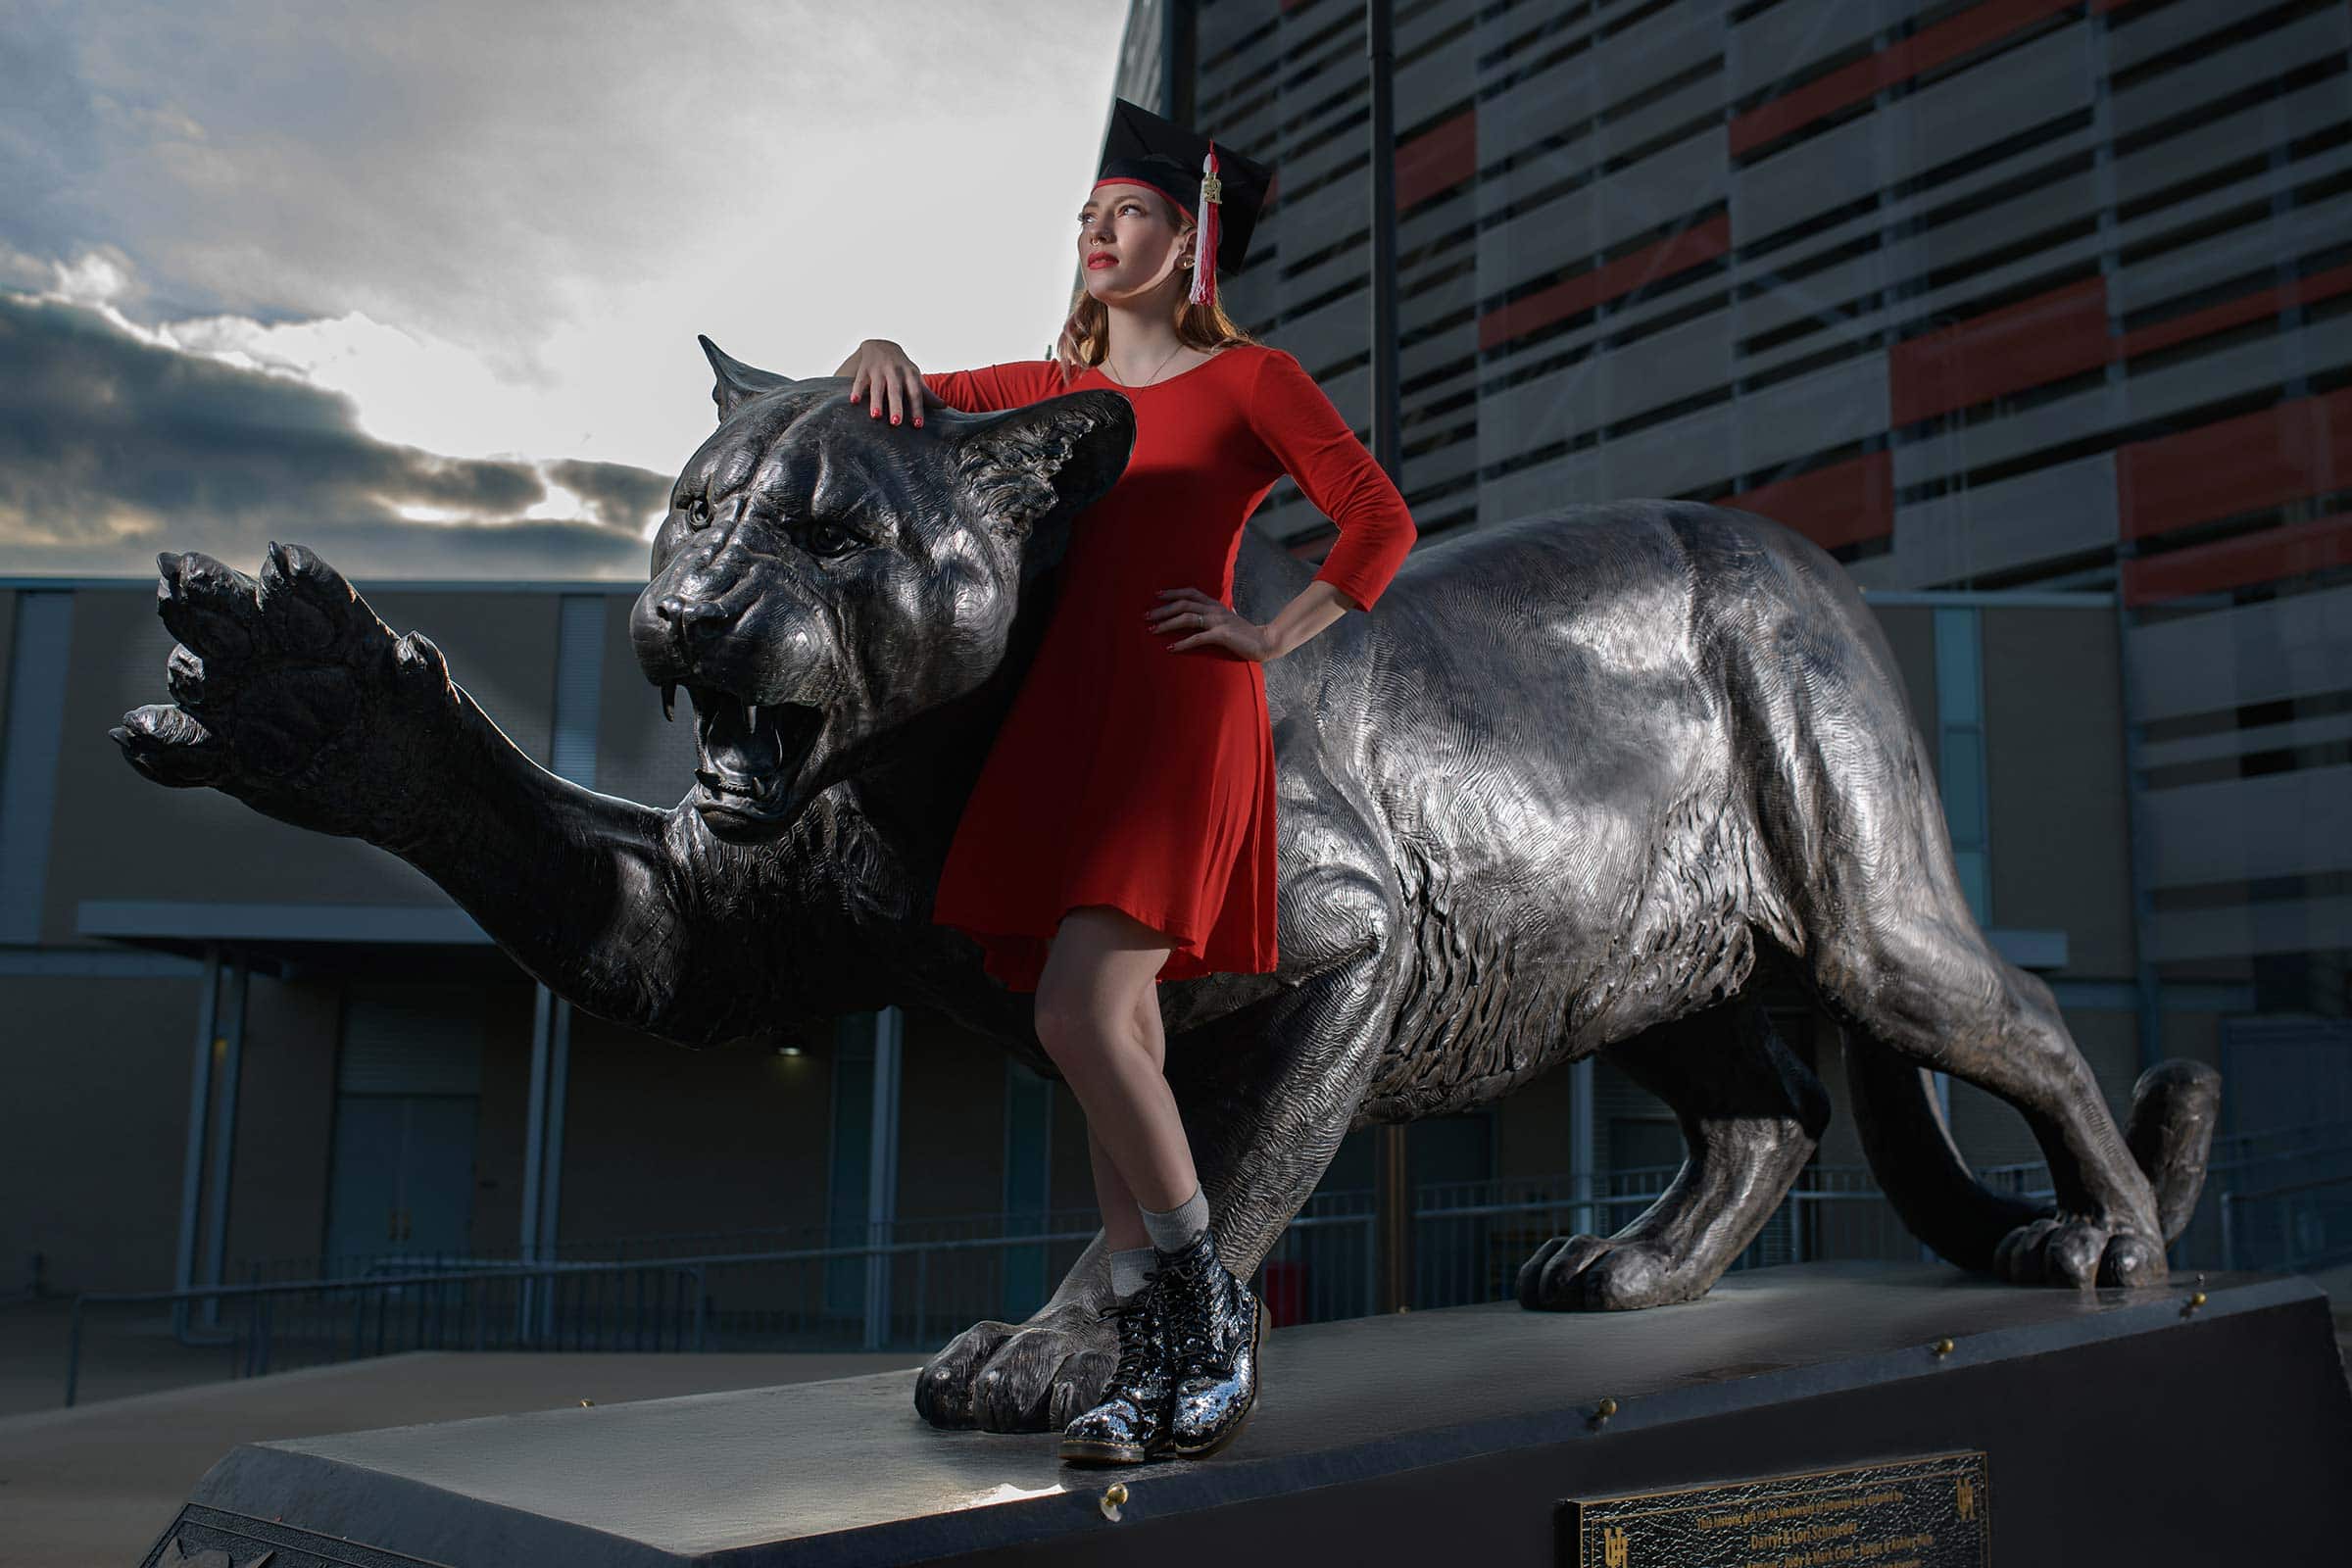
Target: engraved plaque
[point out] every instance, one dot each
(1930, 1512)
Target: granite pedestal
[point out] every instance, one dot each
(2115, 1427)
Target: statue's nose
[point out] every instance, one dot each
(689, 616)
(690, 622)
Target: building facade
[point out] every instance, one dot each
(1982, 296)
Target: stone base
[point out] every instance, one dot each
(2115, 1427)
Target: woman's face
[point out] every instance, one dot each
(1126, 234)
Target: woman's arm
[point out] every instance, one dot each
(1305, 434)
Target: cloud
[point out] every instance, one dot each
(113, 445)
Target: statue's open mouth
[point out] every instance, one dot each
(749, 754)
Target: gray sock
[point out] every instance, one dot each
(1173, 1228)
(1129, 1269)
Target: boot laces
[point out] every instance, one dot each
(1139, 1320)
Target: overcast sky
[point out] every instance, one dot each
(417, 282)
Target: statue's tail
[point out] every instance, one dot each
(1940, 1199)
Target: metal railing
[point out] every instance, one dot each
(2279, 1199)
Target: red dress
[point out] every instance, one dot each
(1125, 774)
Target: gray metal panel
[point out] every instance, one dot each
(1219, 28)
(2269, 185)
(1669, 367)
(2043, 426)
(1445, 75)
(1323, 337)
(1659, 46)
(1987, 101)
(2252, 249)
(2203, 378)
(1685, 453)
(1685, 105)
(1537, 242)
(2224, 70)
(1833, 405)
(2250, 654)
(40, 648)
(1418, 306)
(1830, 289)
(1352, 394)
(1548, 408)
(1790, 36)
(247, 920)
(2160, 30)
(2174, 159)
(1527, 112)
(1992, 228)
(1662, 188)
(2234, 830)
(2049, 511)
(1791, 186)
(2290, 925)
(1544, 487)
(2333, 730)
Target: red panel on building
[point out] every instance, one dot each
(1437, 159)
(1972, 29)
(2264, 557)
(2034, 341)
(1839, 505)
(2238, 312)
(2265, 459)
(1676, 253)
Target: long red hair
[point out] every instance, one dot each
(1085, 334)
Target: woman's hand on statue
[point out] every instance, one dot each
(887, 382)
(1210, 624)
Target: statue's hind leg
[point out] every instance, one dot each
(1751, 1114)
(1917, 989)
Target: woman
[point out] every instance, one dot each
(1153, 859)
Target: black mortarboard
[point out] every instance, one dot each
(1143, 148)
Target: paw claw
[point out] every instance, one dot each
(1554, 1279)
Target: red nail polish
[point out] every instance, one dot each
(894, 418)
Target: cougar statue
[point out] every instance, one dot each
(1583, 781)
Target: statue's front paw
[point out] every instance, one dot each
(2083, 1252)
(1604, 1274)
(1033, 1377)
(287, 693)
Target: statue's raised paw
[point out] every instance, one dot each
(2079, 1252)
(288, 692)
(1031, 1377)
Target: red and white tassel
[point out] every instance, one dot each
(1205, 248)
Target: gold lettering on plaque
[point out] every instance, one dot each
(1615, 1551)
(1966, 1499)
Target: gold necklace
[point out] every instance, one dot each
(1163, 365)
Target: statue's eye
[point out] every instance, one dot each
(697, 511)
(827, 539)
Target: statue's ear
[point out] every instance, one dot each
(1029, 470)
(737, 381)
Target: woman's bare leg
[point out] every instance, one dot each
(1122, 1223)
(1092, 1003)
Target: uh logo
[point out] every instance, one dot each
(1615, 1551)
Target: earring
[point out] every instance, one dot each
(1187, 262)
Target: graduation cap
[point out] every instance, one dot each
(1221, 188)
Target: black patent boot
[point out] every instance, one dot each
(1215, 1328)
(1130, 1426)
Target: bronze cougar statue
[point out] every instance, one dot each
(1579, 780)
